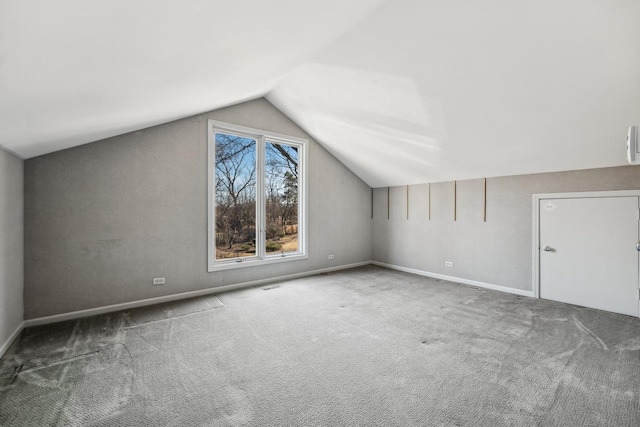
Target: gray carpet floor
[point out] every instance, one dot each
(367, 346)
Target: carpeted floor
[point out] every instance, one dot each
(367, 346)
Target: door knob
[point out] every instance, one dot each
(638, 246)
(548, 248)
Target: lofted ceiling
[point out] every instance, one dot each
(76, 71)
(401, 91)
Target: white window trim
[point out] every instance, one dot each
(261, 257)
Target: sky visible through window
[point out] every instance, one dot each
(238, 208)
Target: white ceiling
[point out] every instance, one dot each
(401, 91)
(76, 71)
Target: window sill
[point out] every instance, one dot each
(230, 265)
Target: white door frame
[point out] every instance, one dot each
(536, 223)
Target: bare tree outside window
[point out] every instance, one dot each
(281, 196)
(256, 211)
(236, 192)
(235, 196)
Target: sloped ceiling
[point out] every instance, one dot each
(401, 91)
(426, 91)
(76, 71)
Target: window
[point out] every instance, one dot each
(256, 196)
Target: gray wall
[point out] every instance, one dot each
(11, 244)
(103, 219)
(497, 251)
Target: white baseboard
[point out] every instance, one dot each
(175, 297)
(184, 295)
(5, 345)
(456, 279)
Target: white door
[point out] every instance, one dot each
(588, 253)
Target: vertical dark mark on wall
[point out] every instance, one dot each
(372, 203)
(455, 200)
(484, 207)
(429, 191)
(388, 202)
(407, 202)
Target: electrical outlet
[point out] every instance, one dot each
(332, 256)
(158, 280)
(448, 263)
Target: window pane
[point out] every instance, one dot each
(281, 196)
(235, 214)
